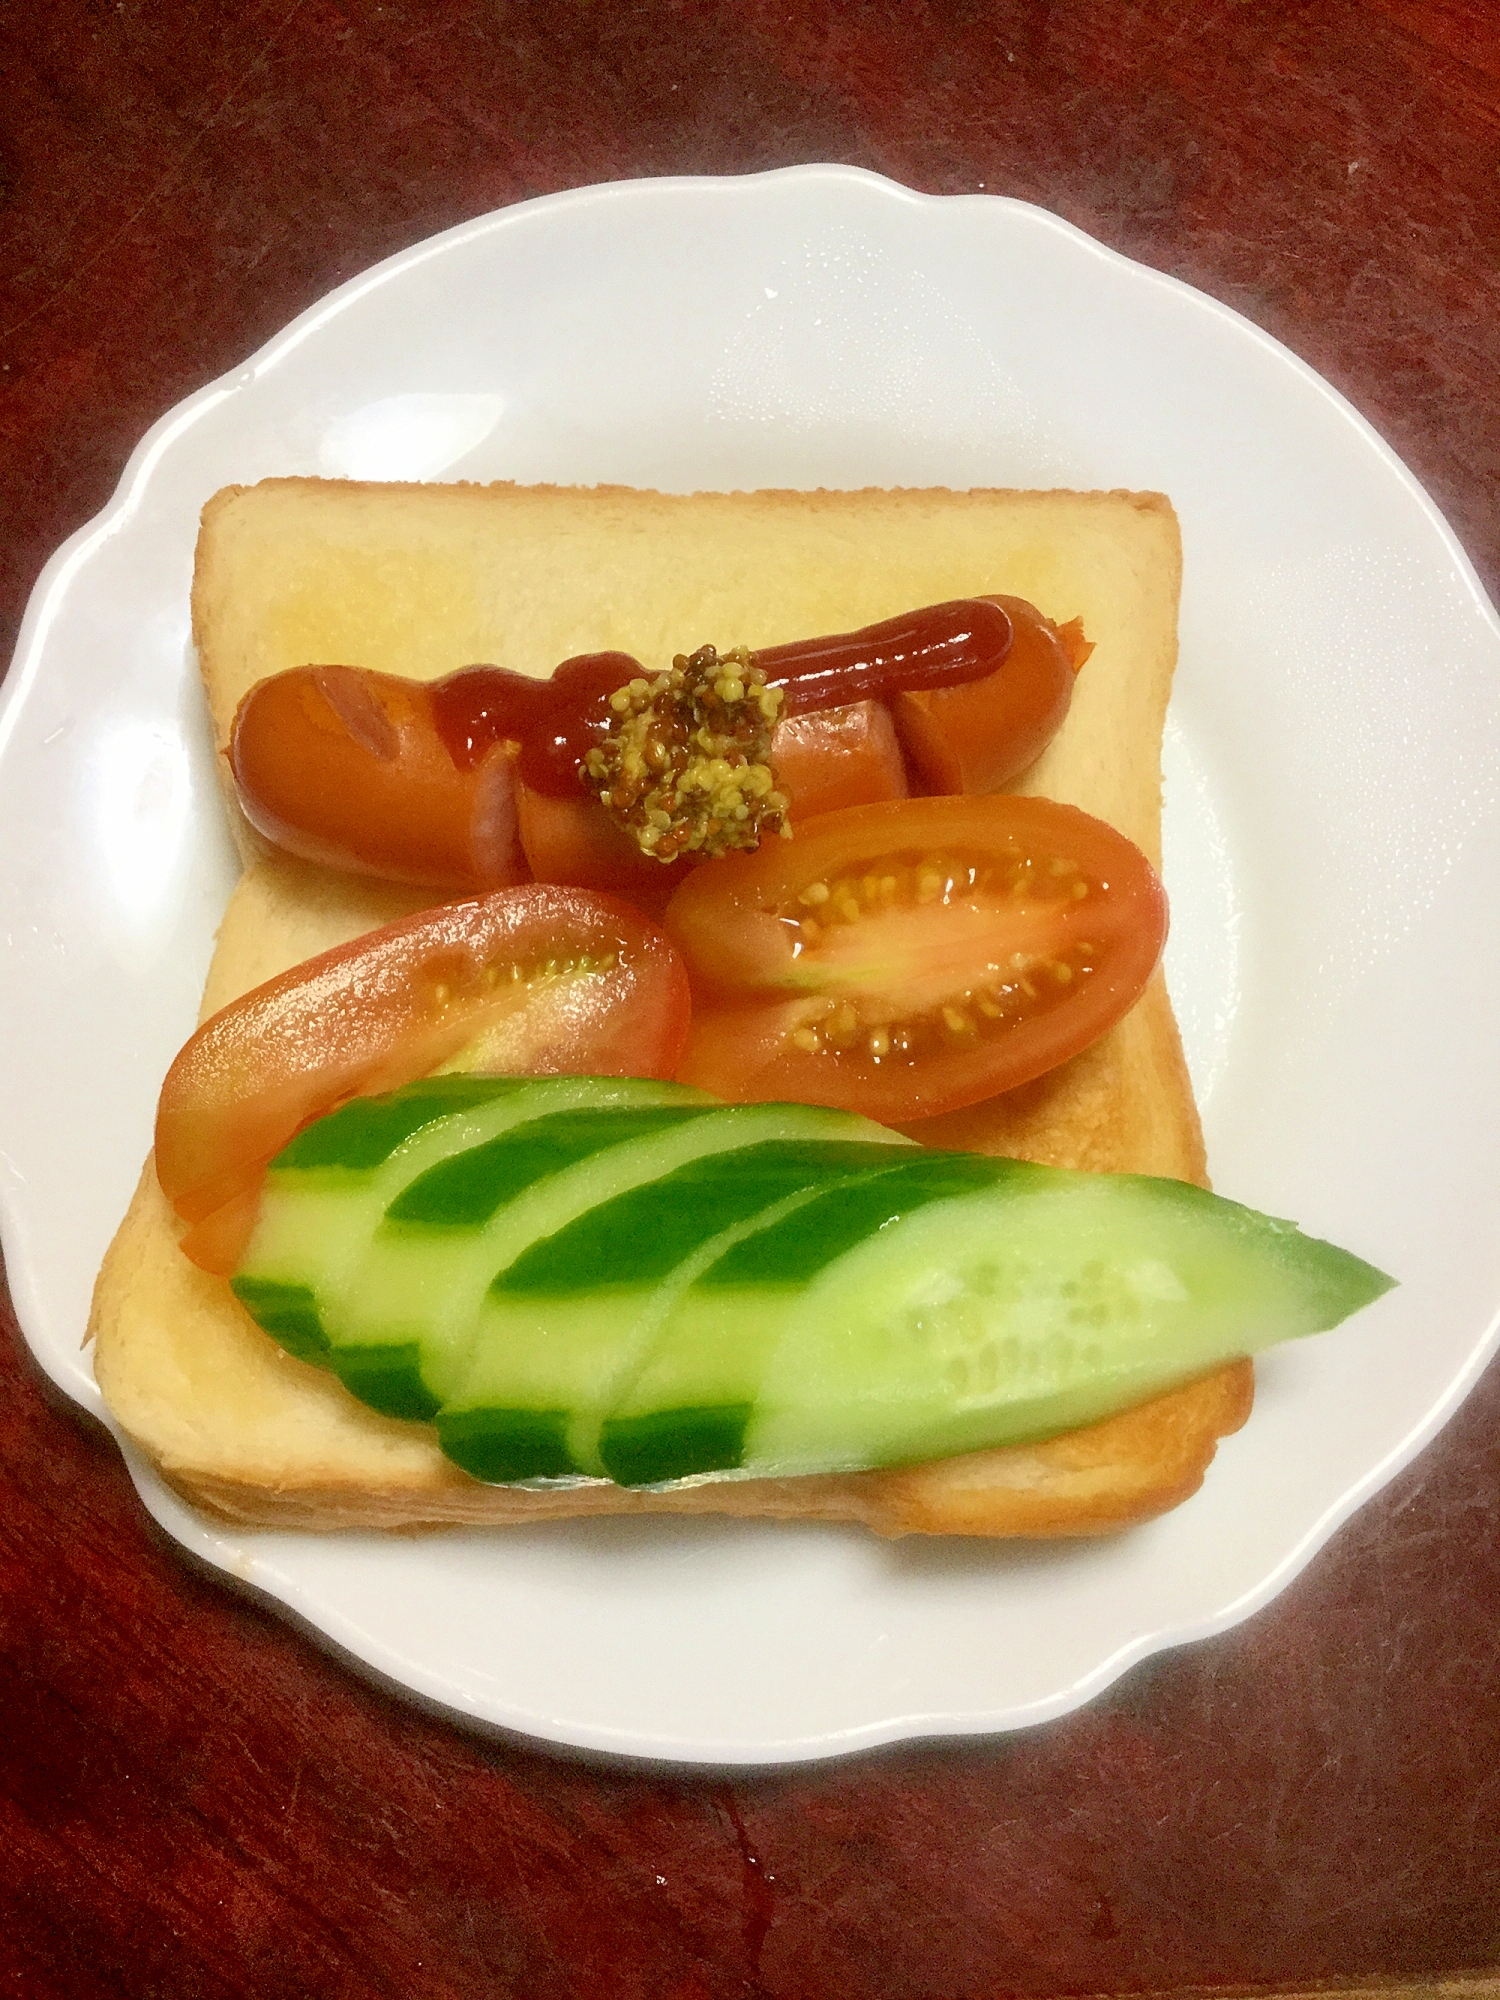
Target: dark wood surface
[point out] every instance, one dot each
(194, 1799)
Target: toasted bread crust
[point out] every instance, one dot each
(1076, 1485)
(423, 580)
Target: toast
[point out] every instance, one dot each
(421, 580)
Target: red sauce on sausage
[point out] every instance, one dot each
(940, 646)
(557, 721)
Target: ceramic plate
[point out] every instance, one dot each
(1333, 850)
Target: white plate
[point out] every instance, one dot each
(1332, 850)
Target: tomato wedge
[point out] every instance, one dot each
(908, 959)
(532, 981)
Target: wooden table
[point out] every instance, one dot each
(197, 1801)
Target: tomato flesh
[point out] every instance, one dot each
(908, 959)
(531, 981)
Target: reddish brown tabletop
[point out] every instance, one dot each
(197, 1801)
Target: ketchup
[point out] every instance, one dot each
(558, 721)
(939, 647)
(555, 721)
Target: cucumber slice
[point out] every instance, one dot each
(576, 1277)
(326, 1193)
(600, 1287)
(1047, 1301)
(402, 1329)
(689, 1405)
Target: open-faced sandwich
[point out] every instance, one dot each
(690, 1061)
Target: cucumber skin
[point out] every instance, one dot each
(386, 1376)
(691, 1442)
(810, 1393)
(288, 1312)
(533, 1445)
(467, 1191)
(642, 1236)
(362, 1134)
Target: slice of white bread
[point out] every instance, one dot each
(424, 579)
